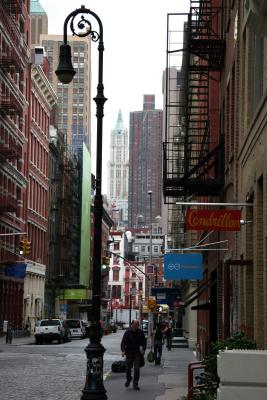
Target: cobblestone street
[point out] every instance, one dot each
(51, 372)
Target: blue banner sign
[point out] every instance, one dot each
(16, 270)
(183, 266)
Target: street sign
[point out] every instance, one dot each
(161, 296)
(183, 266)
(150, 269)
(213, 220)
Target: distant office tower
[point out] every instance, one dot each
(118, 173)
(74, 100)
(39, 22)
(145, 163)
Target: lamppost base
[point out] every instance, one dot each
(94, 386)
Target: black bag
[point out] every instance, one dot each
(142, 360)
(118, 366)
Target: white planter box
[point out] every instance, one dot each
(242, 393)
(243, 366)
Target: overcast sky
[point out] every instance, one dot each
(135, 37)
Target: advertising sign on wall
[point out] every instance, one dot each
(213, 220)
(183, 266)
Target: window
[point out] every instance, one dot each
(116, 274)
(156, 249)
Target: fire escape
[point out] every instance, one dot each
(13, 58)
(193, 149)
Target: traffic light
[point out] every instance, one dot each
(21, 247)
(28, 247)
(24, 247)
(105, 261)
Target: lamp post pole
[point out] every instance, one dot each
(94, 386)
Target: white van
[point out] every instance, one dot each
(76, 327)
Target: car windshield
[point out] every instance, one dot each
(50, 322)
(73, 323)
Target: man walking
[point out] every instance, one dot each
(157, 339)
(133, 345)
(9, 334)
(168, 335)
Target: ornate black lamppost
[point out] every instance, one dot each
(94, 387)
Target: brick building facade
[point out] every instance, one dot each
(14, 133)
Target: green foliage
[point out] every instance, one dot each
(237, 341)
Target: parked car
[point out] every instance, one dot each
(77, 328)
(51, 329)
(125, 325)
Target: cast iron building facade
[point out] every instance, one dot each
(145, 162)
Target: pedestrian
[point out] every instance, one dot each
(133, 346)
(168, 335)
(9, 334)
(157, 338)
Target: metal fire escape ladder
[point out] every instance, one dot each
(192, 153)
(199, 170)
(205, 54)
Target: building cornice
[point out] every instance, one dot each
(42, 82)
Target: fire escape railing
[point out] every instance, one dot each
(193, 152)
(193, 159)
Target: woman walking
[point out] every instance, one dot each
(157, 341)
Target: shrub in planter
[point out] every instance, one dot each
(209, 379)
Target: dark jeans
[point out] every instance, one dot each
(133, 362)
(157, 351)
(169, 342)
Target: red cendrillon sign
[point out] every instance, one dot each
(213, 220)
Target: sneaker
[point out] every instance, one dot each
(136, 387)
(127, 383)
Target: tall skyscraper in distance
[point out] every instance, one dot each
(39, 22)
(145, 162)
(74, 100)
(118, 167)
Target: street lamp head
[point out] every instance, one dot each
(65, 71)
(150, 192)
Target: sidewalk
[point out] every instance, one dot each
(165, 382)
(18, 340)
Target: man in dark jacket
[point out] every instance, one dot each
(133, 344)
